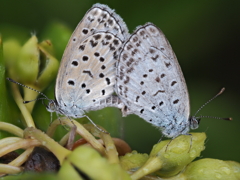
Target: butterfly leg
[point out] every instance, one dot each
(71, 137)
(160, 138)
(190, 141)
(59, 118)
(100, 129)
(168, 144)
(173, 139)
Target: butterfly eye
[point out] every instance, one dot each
(194, 122)
(51, 107)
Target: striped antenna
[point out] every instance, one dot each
(221, 91)
(11, 80)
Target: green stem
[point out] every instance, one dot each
(9, 140)
(22, 157)
(80, 130)
(64, 139)
(111, 151)
(7, 169)
(59, 151)
(29, 95)
(19, 144)
(148, 168)
(18, 99)
(12, 166)
(11, 129)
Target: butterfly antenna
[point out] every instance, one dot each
(11, 80)
(25, 102)
(213, 117)
(221, 91)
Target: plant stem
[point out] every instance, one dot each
(18, 99)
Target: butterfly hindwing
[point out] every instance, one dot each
(150, 82)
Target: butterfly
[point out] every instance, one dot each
(86, 76)
(150, 82)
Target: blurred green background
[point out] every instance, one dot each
(205, 38)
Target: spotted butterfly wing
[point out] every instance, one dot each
(87, 72)
(150, 82)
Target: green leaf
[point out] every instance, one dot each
(4, 107)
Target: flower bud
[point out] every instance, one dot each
(212, 169)
(90, 163)
(133, 160)
(49, 66)
(31, 65)
(169, 157)
(27, 64)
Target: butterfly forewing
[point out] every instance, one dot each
(150, 82)
(87, 71)
(95, 69)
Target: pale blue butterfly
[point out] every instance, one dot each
(87, 73)
(151, 85)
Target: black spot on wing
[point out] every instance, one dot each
(176, 101)
(71, 82)
(74, 63)
(88, 72)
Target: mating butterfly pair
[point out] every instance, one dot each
(102, 58)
